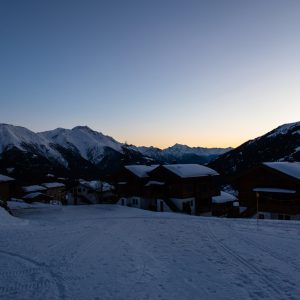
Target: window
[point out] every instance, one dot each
(280, 217)
(261, 216)
(287, 217)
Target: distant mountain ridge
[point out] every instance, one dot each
(82, 151)
(280, 144)
(183, 153)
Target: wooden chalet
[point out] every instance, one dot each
(56, 190)
(225, 205)
(6, 188)
(91, 192)
(184, 188)
(187, 188)
(131, 186)
(271, 190)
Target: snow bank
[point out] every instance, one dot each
(6, 219)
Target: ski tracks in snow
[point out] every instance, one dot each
(266, 282)
(43, 284)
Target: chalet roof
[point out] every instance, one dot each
(50, 185)
(289, 168)
(96, 185)
(141, 170)
(4, 178)
(154, 182)
(33, 188)
(274, 190)
(92, 185)
(190, 170)
(223, 198)
(33, 195)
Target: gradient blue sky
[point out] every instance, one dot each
(202, 73)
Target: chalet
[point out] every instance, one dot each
(179, 187)
(185, 188)
(33, 193)
(33, 189)
(6, 187)
(56, 190)
(272, 190)
(37, 197)
(91, 192)
(131, 186)
(225, 204)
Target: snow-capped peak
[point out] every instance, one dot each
(23, 139)
(89, 143)
(286, 128)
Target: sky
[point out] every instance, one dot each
(212, 73)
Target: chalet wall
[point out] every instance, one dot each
(266, 177)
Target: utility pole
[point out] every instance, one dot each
(257, 198)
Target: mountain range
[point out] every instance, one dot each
(83, 152)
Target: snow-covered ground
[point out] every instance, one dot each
(114, 252)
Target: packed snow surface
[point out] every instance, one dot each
(190, 170)
(141, 170)
(290, 168)
(115, 252)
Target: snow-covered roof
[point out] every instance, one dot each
(274, 190)
(97, 185)
(190, 170)
(290, 168)
(33, 188)
(153, 182)
(4, 178)
(50, 185)
(223, 198)
(33, 195)
(141, 170)
(93, 184)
